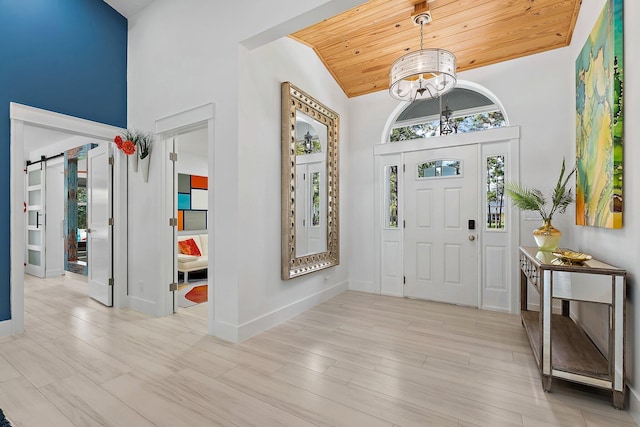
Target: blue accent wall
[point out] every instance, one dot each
(67, 56)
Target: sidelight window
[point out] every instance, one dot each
(495, 207)
(391, 196)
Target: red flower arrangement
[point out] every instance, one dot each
(136, 144)
(128, 147)
(128, 143)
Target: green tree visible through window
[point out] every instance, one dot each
(495, 192)
(315, 199)
(82, 207)
(392, 176)
(466, 124)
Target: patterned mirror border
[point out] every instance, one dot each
(294, 99)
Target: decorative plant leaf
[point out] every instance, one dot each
(532, 199)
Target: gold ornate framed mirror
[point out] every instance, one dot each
(310, 203)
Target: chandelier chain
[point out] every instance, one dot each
(421, 36)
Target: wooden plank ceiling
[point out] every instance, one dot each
(359, 45)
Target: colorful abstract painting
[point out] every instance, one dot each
(599, 132)
(193, 202)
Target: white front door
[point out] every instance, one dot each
(311, 190)
(99, 218)
(35, 208)
(440, 246)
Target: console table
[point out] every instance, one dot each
(560, 346)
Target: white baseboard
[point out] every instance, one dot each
(54, 273)
(634, 405)
(143, 306)
(495, 308)
(262, 323)
(6, 328)
(362, 286)
(225, 331)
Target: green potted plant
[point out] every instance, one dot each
(532, 199)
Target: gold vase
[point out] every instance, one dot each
(547, 237)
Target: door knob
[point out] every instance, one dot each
(472, 237)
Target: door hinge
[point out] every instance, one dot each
(173, 287)
(173, 157)
(404, 280)
(111, 160)
(111, 281)
(173, 222)
(110, 221)
(404, 223)
(404, 167)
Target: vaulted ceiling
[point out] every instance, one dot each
(359, 45)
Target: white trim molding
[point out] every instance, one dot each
(21, 116)
(464, 84)
(180, 122)
(167, 128)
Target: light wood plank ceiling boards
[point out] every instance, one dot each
(359, 45)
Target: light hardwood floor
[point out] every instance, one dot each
(356, 360)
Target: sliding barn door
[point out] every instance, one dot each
(35, 209)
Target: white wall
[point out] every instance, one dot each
(193, 158)
(183, 55)
(192, 164)
(262, 71)
(618, 247)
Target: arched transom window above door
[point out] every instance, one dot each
(459, 111)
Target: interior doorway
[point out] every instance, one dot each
(58, 133)
(80, 220)
(56, 204)
(191, 188)
(75, 209)
(175, 131)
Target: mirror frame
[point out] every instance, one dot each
(293, 100)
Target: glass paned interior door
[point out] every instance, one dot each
(35, 220)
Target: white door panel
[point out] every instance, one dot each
(497, 242)
(390, 272)
(35, 221)
(99, 233)
(311, 190)
(441, 259)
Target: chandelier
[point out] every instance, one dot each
(427, 73)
